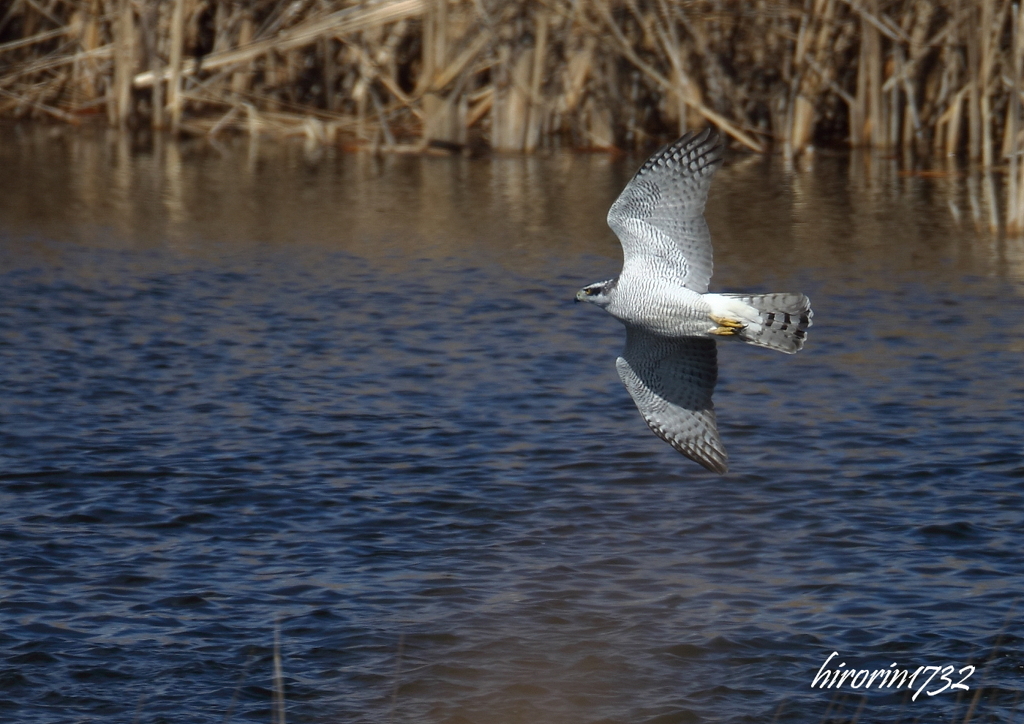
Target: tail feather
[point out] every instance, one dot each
(784, 320)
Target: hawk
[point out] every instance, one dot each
(670, 364)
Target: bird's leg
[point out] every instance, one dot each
(726, 327)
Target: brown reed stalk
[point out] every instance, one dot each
(152, 21)
(124, 64)
(279, 698)
(537, 104)
(177, 51)
(1015, 184)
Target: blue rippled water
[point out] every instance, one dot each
(350, 400)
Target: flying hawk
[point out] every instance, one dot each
(670, 364)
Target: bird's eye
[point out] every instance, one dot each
(591, 291)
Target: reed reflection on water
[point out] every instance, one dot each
(247, 384)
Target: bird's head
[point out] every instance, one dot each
(598, 293)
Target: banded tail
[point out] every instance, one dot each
(784, 320)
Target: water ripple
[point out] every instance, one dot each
(400, 443)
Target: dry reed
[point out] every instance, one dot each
(910, 76)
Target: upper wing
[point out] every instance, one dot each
(660, 213)
(671, 382)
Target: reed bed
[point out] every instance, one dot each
(927, 75)
(918, 77)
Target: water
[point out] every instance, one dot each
(247, 389)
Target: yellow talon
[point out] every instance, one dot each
(726, 322)
(727, 327)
